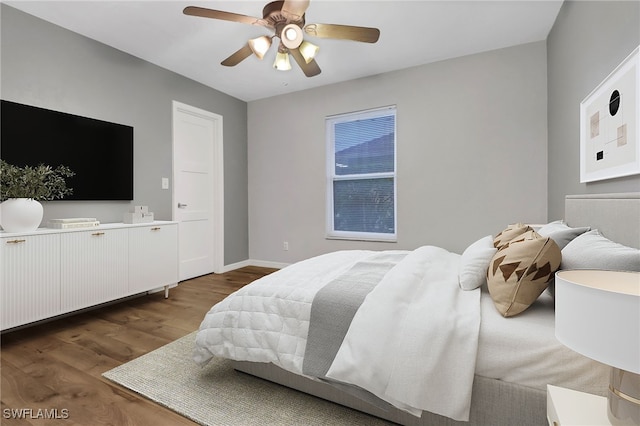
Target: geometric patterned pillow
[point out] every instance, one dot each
(520, 271)
(512, 231)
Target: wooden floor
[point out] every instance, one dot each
(54, 369)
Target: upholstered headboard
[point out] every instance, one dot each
(616, 216)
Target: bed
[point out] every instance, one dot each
(421, 337)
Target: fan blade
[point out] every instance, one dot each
(240, 55)
(225, 16)
(294, 9)
(343, 32)
(309, 69)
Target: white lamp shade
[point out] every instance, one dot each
(308, 51)
(260, 45)
(598, 315)
(282, 62)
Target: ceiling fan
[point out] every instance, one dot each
(287, 20)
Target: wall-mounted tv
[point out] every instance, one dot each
(99, 152)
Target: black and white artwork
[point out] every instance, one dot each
(609, 140)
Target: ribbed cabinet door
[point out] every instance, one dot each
(94, 267)
(153, 253)
(30, 279)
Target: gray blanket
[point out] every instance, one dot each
(335, 305)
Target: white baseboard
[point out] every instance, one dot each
(268, 264)
(254, 262)
(231, 267)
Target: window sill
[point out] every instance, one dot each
(376, 239)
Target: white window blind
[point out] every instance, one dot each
(361, 175)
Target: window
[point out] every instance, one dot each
(361, 184)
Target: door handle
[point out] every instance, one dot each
(181, 206)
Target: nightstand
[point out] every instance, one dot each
(566, 407)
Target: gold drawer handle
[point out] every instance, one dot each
(16, 241)
(98, 234)
(157, 228)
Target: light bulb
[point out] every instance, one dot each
(290, 34)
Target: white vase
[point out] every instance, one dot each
(21, 214)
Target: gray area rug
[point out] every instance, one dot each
(218, 395)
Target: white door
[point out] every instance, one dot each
(198, 190)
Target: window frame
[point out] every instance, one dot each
(330, 122)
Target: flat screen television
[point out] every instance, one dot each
(99, 152)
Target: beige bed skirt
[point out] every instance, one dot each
(494, 402)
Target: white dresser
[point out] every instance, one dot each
(48, 272)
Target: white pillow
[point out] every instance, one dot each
(474, 263)
(592, 250)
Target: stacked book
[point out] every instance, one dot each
(74, 222)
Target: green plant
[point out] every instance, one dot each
(42, 182)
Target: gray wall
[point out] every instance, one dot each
(471, 146)
(472, 131)
(51, 67)
(588, 40)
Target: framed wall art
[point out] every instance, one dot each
(609, 119)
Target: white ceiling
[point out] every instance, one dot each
(412, 33)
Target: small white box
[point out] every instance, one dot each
(141, 209)
(137, 217)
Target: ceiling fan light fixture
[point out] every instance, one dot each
(282, 62)
(308, 51)
(260, 45)
(286, 20)
(291, 36)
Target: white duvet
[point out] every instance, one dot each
(268, 320)
(415, 332)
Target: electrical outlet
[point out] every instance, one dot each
(285, 245)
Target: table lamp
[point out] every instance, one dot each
(598, 315)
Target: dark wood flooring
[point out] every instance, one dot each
(51, 372)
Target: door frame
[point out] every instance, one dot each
(217, 172)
